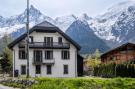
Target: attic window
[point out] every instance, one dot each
(31, 39)
(60, 40)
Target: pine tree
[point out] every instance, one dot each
(6, 61)
(6, 55)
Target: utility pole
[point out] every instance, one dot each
(27, 27)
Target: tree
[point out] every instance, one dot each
(92, 61)
(6, 55)
(97, 54)
(6, 61)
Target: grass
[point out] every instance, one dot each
(78, 83)
(84, 83)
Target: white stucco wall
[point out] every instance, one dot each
(57, 67)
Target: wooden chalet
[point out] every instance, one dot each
(123, 53)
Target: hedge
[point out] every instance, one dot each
(113, 70)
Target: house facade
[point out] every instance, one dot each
(123, 53)
(51, 53)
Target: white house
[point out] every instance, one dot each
(51, 53)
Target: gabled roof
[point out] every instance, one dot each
(123, 45)
(44, 27)
(45, 24)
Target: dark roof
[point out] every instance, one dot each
(45, 24)
(44, 27)
(123, 45)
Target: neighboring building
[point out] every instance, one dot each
(52, 53)
(123, 53)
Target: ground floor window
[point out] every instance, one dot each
(65, 68)
(23, 69)
(49, 69)
(38, 69)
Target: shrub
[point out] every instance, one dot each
(84, 83)
(113, 70)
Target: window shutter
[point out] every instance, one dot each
(40, 55)
(19, 54)
(68, 54)
(45, 40)
(45, 55)
(32, 39)
(51, 53)
(34, 55)
(62, 54)
(51, 39)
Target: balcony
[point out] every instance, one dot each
(54, 45)
(48, 61)
(37, 61)
(45, 61)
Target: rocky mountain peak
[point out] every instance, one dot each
(84, 17)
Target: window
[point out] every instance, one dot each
(37, 55)
(65, 54)
(48, 41)
(31, 39)
(123, 50)
(48, 54)
(22, 54)
(65, 69)
(38, 69)
(60, 40)
(49, 69)
(23, 69)
(130, 49)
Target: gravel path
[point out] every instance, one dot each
(5, 87)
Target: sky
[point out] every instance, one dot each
(54, 8)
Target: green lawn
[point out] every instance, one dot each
(84, 83)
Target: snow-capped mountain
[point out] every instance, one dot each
(14, 23)
(2, 20)
(65, 21)
(80, 32)
(35, 17)
(84, 17)
(116, 23)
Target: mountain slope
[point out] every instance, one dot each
(116, 22)
(83, 35)
(64, 22)
(14, 23)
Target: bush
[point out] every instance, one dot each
(84, 83)
(17, 83)
(113, 70)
